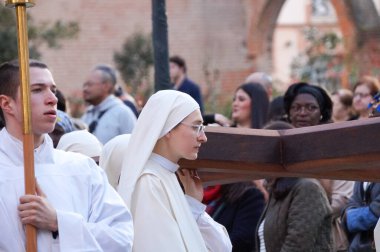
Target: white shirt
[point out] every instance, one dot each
(91, 215)
(118, 119)
(366, 185)
(261, 236)
(164, 225)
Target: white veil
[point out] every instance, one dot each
(81, 141)
(163, 111)
(111, 158)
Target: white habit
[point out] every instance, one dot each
(163, 220)
(91, 215)
(111, 157)
(182, 224)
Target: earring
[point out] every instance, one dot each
(320, 118)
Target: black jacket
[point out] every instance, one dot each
(241, 219)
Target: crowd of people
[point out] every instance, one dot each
(110, 180)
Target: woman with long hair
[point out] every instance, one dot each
(238, 206)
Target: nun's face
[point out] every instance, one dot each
(187, 137)
(304, 111)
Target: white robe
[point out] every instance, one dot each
(178, 228)
(91, 215)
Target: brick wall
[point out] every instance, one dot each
(209, 35)
(215, 37)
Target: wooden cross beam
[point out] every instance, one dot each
(347, 150)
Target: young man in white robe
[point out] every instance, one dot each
(74, 208)
(165, 219)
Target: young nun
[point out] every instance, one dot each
(83, 142)
(165, 219)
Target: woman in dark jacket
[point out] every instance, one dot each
(238, 206)
(309, 105)
(298, 216)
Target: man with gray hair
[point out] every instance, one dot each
(263, 79)
(106, 116)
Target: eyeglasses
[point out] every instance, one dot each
(361, 95)
(308, 107)
(197, 128)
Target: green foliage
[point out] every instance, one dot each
(319, 63)
(135, 60)
(8, 39)
(51, 34)
(212, 97)
(38, 35)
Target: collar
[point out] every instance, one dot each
(13, 148)
(164, 162)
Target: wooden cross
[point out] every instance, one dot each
(347, 150)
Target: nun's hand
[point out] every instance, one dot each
(191, 182)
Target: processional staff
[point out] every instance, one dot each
(28, 141)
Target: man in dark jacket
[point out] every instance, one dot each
(180, 81)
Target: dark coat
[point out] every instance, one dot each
(191, 88)
(298, 217)
(240, 219)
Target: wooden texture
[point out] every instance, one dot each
(347, 150)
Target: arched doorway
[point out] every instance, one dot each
(358, 21)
